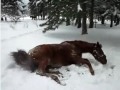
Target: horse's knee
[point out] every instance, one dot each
(40, 72)
(87, 62)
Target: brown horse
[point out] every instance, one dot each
(93, 48)
(44, 56)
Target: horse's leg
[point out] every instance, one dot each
(85, 61)
(51, 71)
(42, 67)
(42, 70)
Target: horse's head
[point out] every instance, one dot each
(99, 54)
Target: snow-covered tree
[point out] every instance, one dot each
(60, 11)
(37, 8)
(109, 9)
(13, 8)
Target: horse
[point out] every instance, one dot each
(93, 48)
(42, 57)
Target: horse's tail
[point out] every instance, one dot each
(22, 58)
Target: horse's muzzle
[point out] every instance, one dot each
(104, 62)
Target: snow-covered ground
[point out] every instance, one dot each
(27, 34)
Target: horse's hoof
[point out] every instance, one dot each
(92, 72)
(60, 75)
(55, 78)
(37, 73)
(63, 84)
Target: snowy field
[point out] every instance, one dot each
(27, 34)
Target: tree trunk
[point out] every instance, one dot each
(111, 24)
(91, 14)
(84, 25)
(102, 19)
(117, 21)
(78, 20)
(98, 17)
(67, 21)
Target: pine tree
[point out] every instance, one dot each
(64, 11)
(91, 14)
(12, 8)
(58, 12)
(109, 9)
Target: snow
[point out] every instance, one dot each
(25, 1)
(27, 34)
(79, 7)
(38, 2)
(20, 5)
(106, 12)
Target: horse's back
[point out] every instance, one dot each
(76, 42)
(58, 54)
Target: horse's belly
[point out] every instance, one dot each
(61, 61)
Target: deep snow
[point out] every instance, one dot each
(27, 34)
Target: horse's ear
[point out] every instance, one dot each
(98, 44)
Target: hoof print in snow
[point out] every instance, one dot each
(112, 67)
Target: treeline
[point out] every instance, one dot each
(77, 11)
(70, 11)
(13, 8)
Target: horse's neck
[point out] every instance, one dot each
(87, 48)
